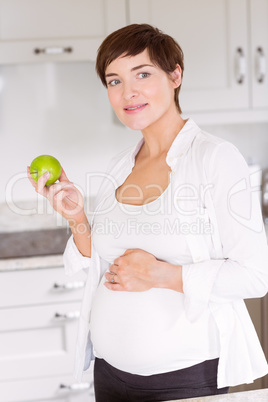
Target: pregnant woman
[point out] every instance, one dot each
(175, 244)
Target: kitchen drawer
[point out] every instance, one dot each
(48, 389)
(38, 286)
(40, 51)
(38, 341)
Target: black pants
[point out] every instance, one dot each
(113, 385)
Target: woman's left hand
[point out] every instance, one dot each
(137, 270)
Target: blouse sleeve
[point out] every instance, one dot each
(243, 271)
(73, 260)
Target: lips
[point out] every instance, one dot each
(135, 108)
(132, 107)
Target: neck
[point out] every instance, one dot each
(159, 137)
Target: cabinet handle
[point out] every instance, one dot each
(68, 285)
(53, 50)
(75, 387)
(260, 65)
(240, 65)
(71, 315)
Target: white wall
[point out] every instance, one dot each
(62, 109)
(57, 109)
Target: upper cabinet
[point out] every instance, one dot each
(56, 30)
(259, 52)
(225, 43)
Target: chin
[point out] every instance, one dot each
(134, 125)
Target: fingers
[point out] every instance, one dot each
(33, 183)
(114, 286)
(41, 183)
(128, 251)
(57, 187)
(120, 259)
(112, 278)
(114, 268)
(63, 176)
(39, 186)
(113, 282)
(68, 207)
(62, 189)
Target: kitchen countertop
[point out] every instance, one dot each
(260, 395)
(15, 264)
(33, 228)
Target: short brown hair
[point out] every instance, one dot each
(133, 39)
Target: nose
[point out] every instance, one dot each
(130, 90)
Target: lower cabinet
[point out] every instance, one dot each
(38, 337)
(61, 388)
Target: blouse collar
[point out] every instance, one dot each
(179, 146)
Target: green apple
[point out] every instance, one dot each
(45, 163)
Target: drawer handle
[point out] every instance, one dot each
(71, 315)
(75, 387)
(53, 50)
(68, 285)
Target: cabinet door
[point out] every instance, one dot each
(56, 29)
(259, 52)
(213, 36)
(49, 389)
(37, 341)
(39, 286)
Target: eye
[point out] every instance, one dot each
(144, 75)
(113, 82)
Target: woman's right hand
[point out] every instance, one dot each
(64, 197)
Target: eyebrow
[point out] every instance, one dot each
(133, 69)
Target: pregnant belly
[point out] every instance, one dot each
(134, 330)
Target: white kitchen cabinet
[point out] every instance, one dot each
(259, 52)
(56, 30)
(219, 40)
(44, 390)
(39, 311)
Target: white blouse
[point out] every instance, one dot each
(147, 332)
(212, 182)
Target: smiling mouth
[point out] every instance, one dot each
(135, 107)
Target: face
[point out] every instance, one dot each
(141, 93)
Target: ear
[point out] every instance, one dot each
(176, 76)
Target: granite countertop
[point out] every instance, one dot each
(33, 228)
(260, 395)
